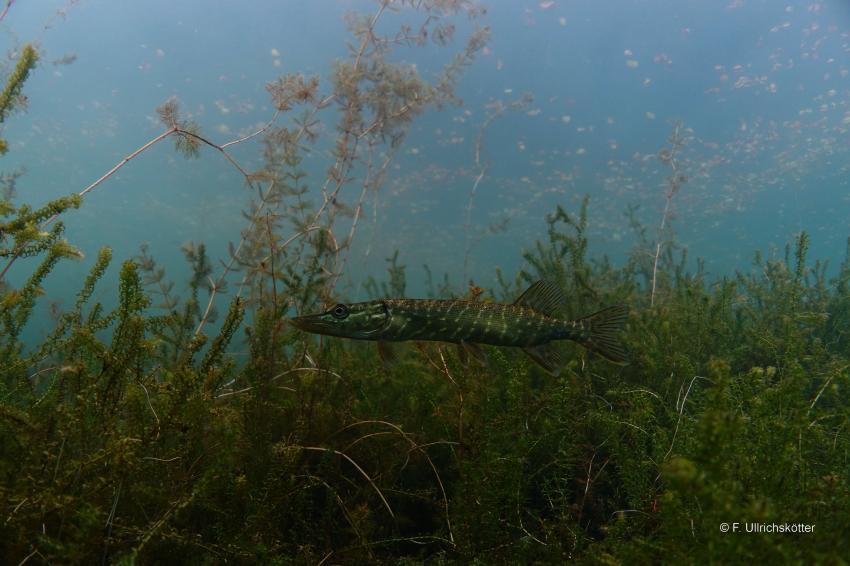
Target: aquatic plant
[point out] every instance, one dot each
(678, 140)
(482, 164)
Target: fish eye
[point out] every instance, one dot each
(339, 312)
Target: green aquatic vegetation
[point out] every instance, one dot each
(10, 96)
(731, 411)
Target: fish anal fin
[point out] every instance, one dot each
(475, 351)
(546, 357)
(543, 297)
(387, 353)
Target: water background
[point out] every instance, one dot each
(764, 86)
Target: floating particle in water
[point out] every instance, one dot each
(276, 63)
(223, 129)
(647, 81)
(274, 52)
(566, 119)
(160, 53)
(650, 115)
(508, 90)
(580, 151)
(534, 112)
(628, 53)
(65, 60)
(632, 64)
(562, 21)
(546, 5)
(222, 107)
(610, 120)
(520, 146)
(662, 59)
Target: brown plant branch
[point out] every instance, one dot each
(674, 183)
(359, 469)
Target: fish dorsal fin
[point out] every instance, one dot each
(543, 297)
(546, 356)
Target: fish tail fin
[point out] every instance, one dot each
(602, 333)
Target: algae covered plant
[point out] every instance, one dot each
(424, 172)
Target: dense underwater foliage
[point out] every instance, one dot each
(136, 434)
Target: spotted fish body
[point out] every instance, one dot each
(529, 323)
(476, 322)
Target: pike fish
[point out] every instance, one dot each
(529, 323)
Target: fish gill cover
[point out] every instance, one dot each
(179, 183)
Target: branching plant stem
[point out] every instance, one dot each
(674, 183)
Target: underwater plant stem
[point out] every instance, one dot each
(658, 248)
(369, 33)
(100, 180)
(482, 167)
(482, 170)
(347, 156)
(359, 469)
(254, 134)
(347, 152)
(167, 133)
(213, 291)
(264, 198)
(370, 180)
(220, 148)
(291, 239)
(358, 212)
(121, 164)
(6, 9)
(674, 183)
(421, 449)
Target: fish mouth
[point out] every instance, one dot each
(309, 323)
(316, 324)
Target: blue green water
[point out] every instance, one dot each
(763, 85)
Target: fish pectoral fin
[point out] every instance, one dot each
(387, 353)
(546, 357)
(463, 354)
(474, 350)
